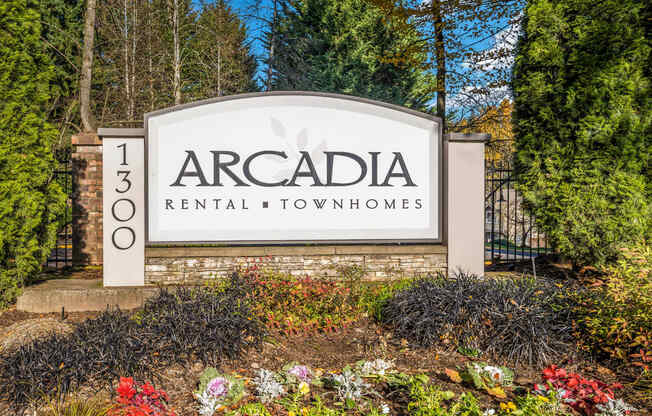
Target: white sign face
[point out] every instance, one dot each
(289, 168)
(123, 193)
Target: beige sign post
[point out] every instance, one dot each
(465, 201)
(123, 207)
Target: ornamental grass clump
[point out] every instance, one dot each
(522, 320)
(201, 324)
(174, 327)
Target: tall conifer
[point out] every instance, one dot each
(31, 203)
(583, 123)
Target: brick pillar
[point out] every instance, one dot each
(87, 200)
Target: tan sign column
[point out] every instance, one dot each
(123, 206)
(465, 181)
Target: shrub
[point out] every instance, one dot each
(201, 323)
(582, 124)
(31, 203)
(615, 317)
(514, 318)
(100, 349)
(173, 327)
(302, 305)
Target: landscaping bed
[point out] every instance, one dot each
(328, 330)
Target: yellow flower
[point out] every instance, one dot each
(508, 407)
(304, 411)
(304, 388)
(543, 398)
(291, 413)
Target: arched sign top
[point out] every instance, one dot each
(290, 167)
(313, 94)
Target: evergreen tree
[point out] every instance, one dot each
(222, 60)
(347, 46)
(583, 123)
(61, 31)
(31, 203)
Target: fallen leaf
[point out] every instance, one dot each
(453, 375)
(497, 392)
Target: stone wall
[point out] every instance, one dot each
(189, 265)
(87, 200)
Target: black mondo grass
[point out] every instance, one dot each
(173, 327)
(521, 320)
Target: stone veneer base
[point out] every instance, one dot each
(191, 265)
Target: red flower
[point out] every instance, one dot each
(148, 389)
(126, 387)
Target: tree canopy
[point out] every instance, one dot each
(345, 46)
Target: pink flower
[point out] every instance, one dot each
(218, 387)
(301, 372)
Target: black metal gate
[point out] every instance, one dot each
(61, 255)
(510, 230)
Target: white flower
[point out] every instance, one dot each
(384, 408)
(489, 412)
(495, 373)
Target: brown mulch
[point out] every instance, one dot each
(30, 330)
(11, 316)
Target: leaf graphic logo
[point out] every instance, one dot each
(288, 166)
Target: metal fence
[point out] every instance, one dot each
(61, 255)
(511, 233)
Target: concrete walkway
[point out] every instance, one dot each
(77, 295)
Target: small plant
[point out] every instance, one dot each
(350, 386)
(135, 400)
(468, 352)
(375, 368)
(487, 377)
(268, 386)
(300, 306)
(428, 400)
(75, 407)
(582, 394)
(299, 376)
(216, 391)
(535, 405)
(253, 409)
(615, 408)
